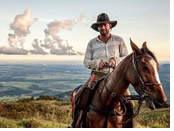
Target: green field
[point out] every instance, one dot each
(56, 114)
(25, 80)
(21, 81)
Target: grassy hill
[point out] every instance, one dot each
(35, 113)
(30, 113)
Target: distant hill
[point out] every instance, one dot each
(25, 80)
(164, 74)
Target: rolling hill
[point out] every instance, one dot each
(25, 80)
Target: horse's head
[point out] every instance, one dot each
(145, 78)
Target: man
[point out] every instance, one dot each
(105, 51)
(103, 54)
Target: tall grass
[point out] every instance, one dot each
(30, 123)
(159, 118)
(57, 114)
(49, 110)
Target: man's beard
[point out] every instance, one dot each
(104, 32)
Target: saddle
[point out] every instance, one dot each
(86, 95)
(81, 115)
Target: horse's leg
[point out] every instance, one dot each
(129, 114)
(87, 121)
(113, 122)
(94, 120)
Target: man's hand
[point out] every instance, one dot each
(102, 64)
(112, 62)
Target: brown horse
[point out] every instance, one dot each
(140, 69)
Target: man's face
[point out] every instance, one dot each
(104, 28)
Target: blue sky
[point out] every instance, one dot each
(142, 20)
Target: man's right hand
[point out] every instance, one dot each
(102, 64)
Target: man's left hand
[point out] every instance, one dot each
(112, 62)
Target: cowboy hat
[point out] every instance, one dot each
(101, 19)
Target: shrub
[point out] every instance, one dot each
(29, 123)
(42, 97)
(26, 99)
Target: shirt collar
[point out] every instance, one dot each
(97, 39)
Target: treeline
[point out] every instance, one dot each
(42, 97)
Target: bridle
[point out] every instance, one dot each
(140, 97)
(142, 84)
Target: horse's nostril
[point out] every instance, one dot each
(161, 101)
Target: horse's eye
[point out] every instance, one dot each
(145, 67)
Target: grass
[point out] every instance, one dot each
(57, 114)
(30, 123)
(49, 110)
(159, 118)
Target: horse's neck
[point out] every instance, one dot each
(117, 82)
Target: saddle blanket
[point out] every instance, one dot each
(73, 94)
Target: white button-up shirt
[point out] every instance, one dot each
(97, 50)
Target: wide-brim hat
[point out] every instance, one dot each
(101, 19)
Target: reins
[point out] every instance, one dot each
(125, 97)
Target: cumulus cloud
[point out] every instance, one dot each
(20, 26)
(52, 44)
(11, 39)
(22, 23)
(80, 18)
(53, 41)
(37, 49)
(13, 50)
(55, 26)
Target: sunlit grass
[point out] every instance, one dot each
(159, 118)
(57, 114)
(30, 123)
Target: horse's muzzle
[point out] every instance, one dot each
(150, 103)
(160, 102)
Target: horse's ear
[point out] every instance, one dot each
(135, 48)
(144, 47)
